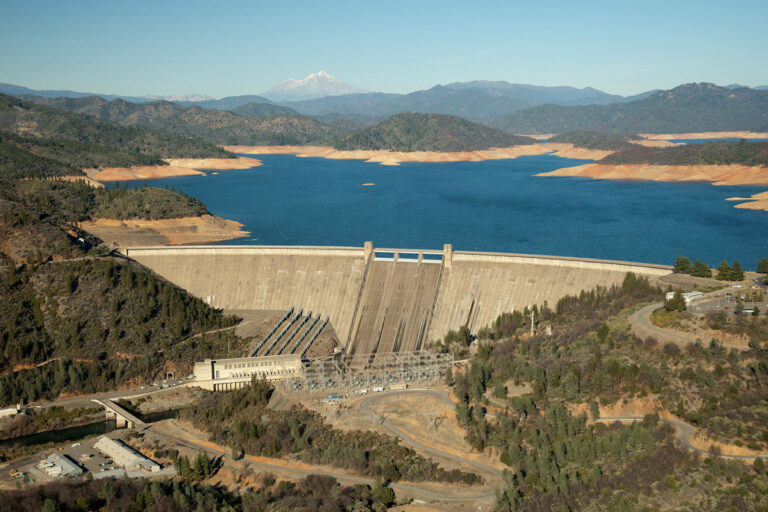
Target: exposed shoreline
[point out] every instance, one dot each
(175, 167)
(386, 157)
(181, 231)
(705, 135)
(656, 143)
(755, 202)
(716, 174)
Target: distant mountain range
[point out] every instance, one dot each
(21, 92)
(226, 103)
(255, 120)
(698, 107)
(483, 101)
(402, 132)
(479, 101)
(316, 85)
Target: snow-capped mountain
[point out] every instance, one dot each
(186, 97)
(316, 85)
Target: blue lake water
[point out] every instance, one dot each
(497, 205)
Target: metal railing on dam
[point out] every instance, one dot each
(388, 301)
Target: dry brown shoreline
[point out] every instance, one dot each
(386, 157)
(175, 167)
(715, 174)
(182, 231)
(705, 135)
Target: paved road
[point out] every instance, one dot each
(87, 400)
(684, 433)
(684, 430)
(643, 327)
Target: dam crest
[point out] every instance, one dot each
(381, 301)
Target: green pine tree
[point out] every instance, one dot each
(682, 265)
(700, 269)
(724, 271)
(736, 273)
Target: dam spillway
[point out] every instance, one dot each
(396, 306)
(381, 300)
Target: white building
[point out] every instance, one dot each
(227, 374)
(124, 455)
(60, 465)
(688, 297)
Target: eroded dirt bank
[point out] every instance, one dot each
(386, 157)
(181, 231)
(175, 167)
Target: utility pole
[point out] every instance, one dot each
(531, 323)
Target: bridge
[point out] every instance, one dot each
(122, 417)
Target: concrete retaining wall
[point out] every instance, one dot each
(477, 287)
(323, 280)
(387, 307)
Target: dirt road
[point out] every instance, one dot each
(483, 497)
(488, 472)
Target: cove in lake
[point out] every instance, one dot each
(496, 205)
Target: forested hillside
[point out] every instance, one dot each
(96, 324)
(707, 153)
(264, 110)
(215, 126)
(313, 493)
(242, 420)
(428, 132)
(71, 319)
(688, 108)
(559, 459)
(36, 120)
(596, 140)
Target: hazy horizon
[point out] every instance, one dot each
(150, 49)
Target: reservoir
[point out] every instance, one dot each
(496, 205)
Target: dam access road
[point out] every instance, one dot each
(382, 300)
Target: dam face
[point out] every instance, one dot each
(384, 300)
(322, 280)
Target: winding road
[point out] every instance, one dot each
(643, 326)
(403, 434)
(684, 433)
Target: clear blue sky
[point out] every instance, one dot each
(222, 48)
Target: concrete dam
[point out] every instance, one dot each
(381, 301)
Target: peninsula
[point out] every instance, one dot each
(174, 167)
(720, 163)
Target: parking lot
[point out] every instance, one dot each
(82, 452)
(726, 303)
